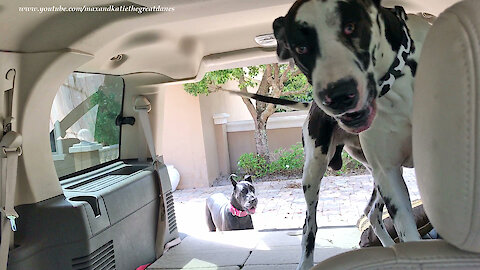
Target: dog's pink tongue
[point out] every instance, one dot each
(251, 211)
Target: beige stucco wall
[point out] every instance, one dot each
(190, 140)
(215, 103)
(183, 144)
(209, 139)
(223, 102)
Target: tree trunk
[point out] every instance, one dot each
(261, 141)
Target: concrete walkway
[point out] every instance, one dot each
(281, 204)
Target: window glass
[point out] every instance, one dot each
(83, 133)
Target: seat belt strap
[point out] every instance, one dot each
(142, 107)
(11, 146)
(147, 131)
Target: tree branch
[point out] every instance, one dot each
(266, 81)
(269, 110)
(276, 74)
(251, 108)
(296, 73)
(213, 88)
(283, 79)
(276, 86)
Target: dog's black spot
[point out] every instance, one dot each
(396, 73)
(365, 58)
(387, 200)
(283, 50)
(371, 86)
(370, 203)
(392, 209)
(291, 34)
(413, 66)
(359, 41)
(358, 65)
(304, 188)
(378, 23)
(320, 127)
(310, 244)
(380, 221)
(305, 225)
(393, 28)
(374, 60)
(336, 161)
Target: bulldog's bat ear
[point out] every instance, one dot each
(232, 179)
(283, 51)
(248, 178)
(377, 2)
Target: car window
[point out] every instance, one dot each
(83, 133)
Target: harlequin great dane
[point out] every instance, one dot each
(361, 60)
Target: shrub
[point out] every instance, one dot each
(290, 162)
(287, 160)
(284, 161)
(253, 164)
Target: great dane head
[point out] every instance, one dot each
(243, 196)
(333, 43)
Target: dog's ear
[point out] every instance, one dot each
(248, 178)
(283, 50)
(232, 179)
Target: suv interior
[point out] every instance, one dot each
(78, 78)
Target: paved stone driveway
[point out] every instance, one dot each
(281, 204)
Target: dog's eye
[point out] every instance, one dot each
(349, 28)
(301, 49)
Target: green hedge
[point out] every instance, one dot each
(288, 162)
(284, 161)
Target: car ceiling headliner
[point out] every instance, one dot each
(171, 44)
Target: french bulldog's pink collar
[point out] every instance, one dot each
(238, 213)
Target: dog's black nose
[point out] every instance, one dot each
(341, 95)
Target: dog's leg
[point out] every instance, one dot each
(375, 206)
(375, 210)
(385, 154)
(315, 165)
(313, 170)
(210, 224)
(392, 189)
